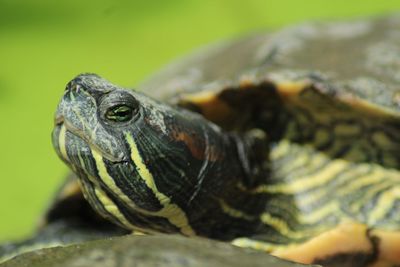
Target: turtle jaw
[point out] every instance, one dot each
(72, 149)
(61, 123)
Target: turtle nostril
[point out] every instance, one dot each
(73, 87)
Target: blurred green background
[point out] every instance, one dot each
(43, 44)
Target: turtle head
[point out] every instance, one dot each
(116, 141)
(144, 164)
(97, 128)
(109, 137)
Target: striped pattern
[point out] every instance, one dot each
(333, 165)
(106, 196)
(325, 194)
(331, 162)
(174, 214)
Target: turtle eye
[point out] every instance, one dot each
(119, 113)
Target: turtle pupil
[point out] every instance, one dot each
(120, 113)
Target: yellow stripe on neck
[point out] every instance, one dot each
(173, 213)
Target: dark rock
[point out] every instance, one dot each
(148, 251)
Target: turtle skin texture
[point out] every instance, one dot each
(310, 114)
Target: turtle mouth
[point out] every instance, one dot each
(60, 122)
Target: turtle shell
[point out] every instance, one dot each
(328, 96)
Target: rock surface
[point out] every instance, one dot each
(148, 251)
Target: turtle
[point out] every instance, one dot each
(285, 142)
